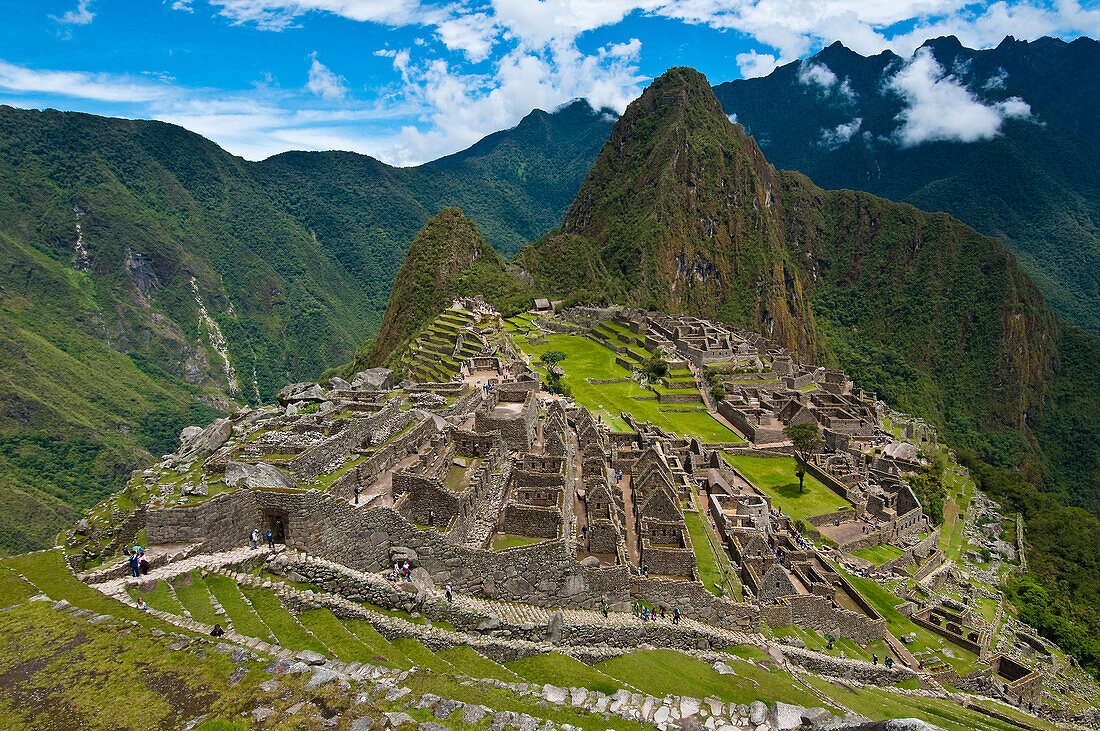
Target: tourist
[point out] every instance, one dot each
(450, 597)
(142, 605)
(645, 571)
(143, 563)
(888, 662)
(603, 608)
(874, 658)
(217, 631)
(356, 494)
(676, 615)
(662, 611)
(255, 538)
(134, 565)
(270, 540)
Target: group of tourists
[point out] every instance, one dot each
(268, 536)
(401, 572)
(139, 565)
(650, 614)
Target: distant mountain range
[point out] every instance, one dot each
(841, 119)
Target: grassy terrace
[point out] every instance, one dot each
(587, 359)
(665, 672)
(879, 554)
(502, 542)
(776, 477)
(710, 558)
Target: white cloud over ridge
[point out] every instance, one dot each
(833, 138)
(940, 108)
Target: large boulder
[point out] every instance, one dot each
(338, 384)
(205, 443)
(783, 716)
(263, 475)
(373, 379)
(301, 392)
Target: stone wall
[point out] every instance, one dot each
(321, 458)
(694, 600)
(680, 398)
(531, 520)
(818, 613)
(384, 458)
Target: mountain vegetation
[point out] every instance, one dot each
(152, 280)
(447, 259)
(837, 117)
(936, 318)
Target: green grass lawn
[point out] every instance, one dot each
(245, 621)
(506, 541)
(776, 477)
(417, 654)
(290, 633)
(588, 359)
(878, 554)
(326, 627)
(377, 644)
(195, 598)
(13, 589)
(664, 672)
(562, 670)
(158, 598)
(470, 662)
(848, 648)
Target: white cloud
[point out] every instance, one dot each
(939, 107)
(184, 5)
(323, 82)
(833, 138)
(753, 64)
(732, 118)
(78, 84)
(81, 15)
(816, 74)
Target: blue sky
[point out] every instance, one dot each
(409, 81)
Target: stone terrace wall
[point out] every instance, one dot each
(316, 460)
(695, 601)
(816, 612)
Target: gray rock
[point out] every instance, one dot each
(82, 527)
(188, 434)
(427, 700)
(432, 726)
(445, 708)
(723, 669)
(362, 723)
(758, 712)
(301, 392)
(590, 562)
(473, 714)
(394, 720)
(309, 657)
(553, 627)
(394, 694)
(237, 676)
(262, 713)
(816, 716)
(260, 475)
(269, 686)
(60, 605)
(208, 441)
(322, 675)
(298, 667)
(338, 384)
(555, 694)
(373, 379)
(784, 716)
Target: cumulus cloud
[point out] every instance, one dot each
(939, 107)
(81, 15)
(323, 82)
(753, 64)
(833, 138)
(732, 118)
(821, 76)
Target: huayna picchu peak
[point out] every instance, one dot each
(646, 412)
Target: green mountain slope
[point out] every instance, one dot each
(151, 279)
(1035, 185)
(446, 259)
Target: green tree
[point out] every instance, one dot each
(655, 368)
(807, 440)
(552, 357)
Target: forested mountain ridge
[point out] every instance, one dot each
(140, 255)
(839, 117)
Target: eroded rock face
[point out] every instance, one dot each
(238, 474)
(304, 391)
(373, 379)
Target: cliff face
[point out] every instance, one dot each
(682, 212)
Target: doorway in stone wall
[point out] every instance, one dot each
(277, 522)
